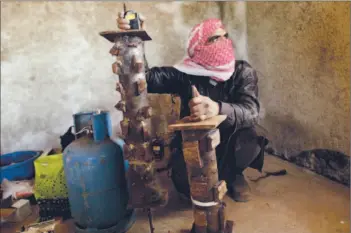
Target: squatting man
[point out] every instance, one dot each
(210, 81)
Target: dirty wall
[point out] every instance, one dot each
(54, 64)
(302, 53)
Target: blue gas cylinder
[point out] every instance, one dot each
(95, 174)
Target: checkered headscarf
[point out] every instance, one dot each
(215, 60)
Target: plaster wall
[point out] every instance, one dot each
(54, 64)
(301, 51)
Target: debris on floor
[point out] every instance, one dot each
(43, 227)
(18, 212)
(17, 189)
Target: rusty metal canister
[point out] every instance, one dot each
(95, 174)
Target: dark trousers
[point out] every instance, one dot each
(239, 151)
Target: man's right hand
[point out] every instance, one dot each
(123, 24)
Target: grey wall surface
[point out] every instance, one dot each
(302, 53)
(54, 64)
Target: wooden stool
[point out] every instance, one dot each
(200, 140)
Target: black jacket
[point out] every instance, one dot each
(237, 97)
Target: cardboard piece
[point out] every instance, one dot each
(18, 212)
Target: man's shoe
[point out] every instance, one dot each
(239, 190)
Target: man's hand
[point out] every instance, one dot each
(202, 107)
(123, 24)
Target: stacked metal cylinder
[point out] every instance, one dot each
(144, 188)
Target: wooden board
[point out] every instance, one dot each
(7, 212)
(208, 124)
(111, 35)
(192, 154)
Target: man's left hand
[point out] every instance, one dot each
(202, 107)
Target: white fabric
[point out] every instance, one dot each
(198, 70)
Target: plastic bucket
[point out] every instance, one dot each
(18, 165)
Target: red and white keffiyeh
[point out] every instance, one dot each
(215, 60)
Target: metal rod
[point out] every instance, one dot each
(124, 7)
(149, 214)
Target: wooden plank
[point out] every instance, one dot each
(112, 35)
(222, 217)
(198, 189)
(229, 227)
(219, 190)
(124, 124)
(192, 154)
(200, 221)
(141, 86)
(137, 65)
(213, 140)
(210, 142)
(194, 135)
(200, 217)
(7, 212)
(210, 123)
(213, 224)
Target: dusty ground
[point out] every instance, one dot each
(300, 202)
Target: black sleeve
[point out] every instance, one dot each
(164, 80)
(243, 109)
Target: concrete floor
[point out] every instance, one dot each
(300, 202)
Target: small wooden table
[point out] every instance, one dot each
(200, 140)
